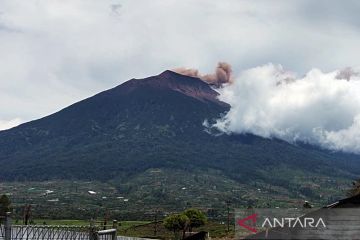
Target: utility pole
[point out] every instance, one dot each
(228, 215)
(156, 220)
(106, 219)
(27, 213)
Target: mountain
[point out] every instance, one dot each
(157, 123)
(139, 124)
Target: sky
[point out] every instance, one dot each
(57, 52)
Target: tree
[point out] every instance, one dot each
(307, 205)
(355, 190)
(197, 218)
(5, 205)
(176, 223)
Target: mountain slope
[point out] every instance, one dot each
(155, 122)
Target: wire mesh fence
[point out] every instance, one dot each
(45, 232)
(19, 232)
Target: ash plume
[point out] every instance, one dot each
(222, 74)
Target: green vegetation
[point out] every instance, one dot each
(164, 191)
(187, 220)
(177, 222)
(355, 189)
(62, 222)
(196, 218)
(5, 205)
(215, 229)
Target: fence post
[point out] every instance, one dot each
(115, 226)
(7, 226)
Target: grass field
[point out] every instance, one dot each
(66, 222)
(142, 228)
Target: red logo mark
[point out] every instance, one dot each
(241, 222)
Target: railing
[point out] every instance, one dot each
(109, 234)
(35, 232)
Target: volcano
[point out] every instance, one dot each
(155, 123)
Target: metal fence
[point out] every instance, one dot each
(2, 231)
(36, 232)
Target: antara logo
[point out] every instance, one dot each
(294, 222)
(251, 218)
(280, 222)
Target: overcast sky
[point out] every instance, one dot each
(56, 52)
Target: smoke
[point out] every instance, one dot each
(222, 75)
(318, 108)
(346, 73)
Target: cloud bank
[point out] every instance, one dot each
(321, 108)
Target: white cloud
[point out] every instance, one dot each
(318, 108)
